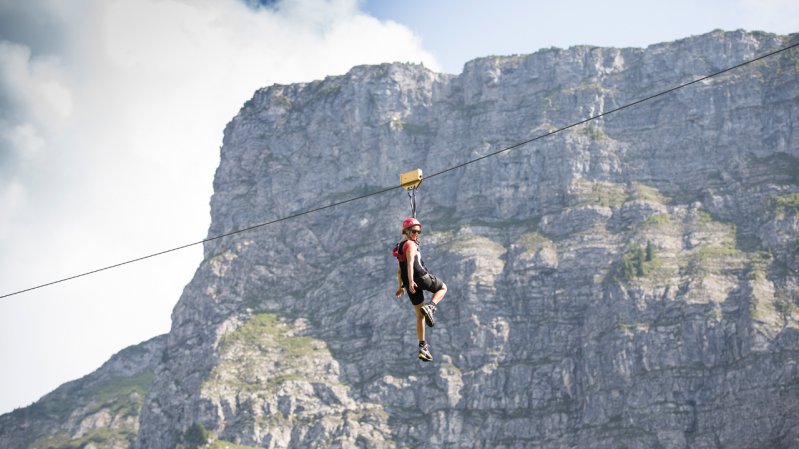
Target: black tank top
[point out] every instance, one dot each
(419, 269)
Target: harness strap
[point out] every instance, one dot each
(399, 252)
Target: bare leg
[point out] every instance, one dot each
(439, 295)
(419, 322)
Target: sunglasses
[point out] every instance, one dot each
(416, 231)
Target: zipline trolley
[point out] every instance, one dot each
(410, 181)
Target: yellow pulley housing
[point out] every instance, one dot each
(411, 180)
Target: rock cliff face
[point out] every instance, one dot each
(627, 283)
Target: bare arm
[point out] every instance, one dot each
(410, 255)
(398, 293)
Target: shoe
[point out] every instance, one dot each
(424, 353)
(427, 311)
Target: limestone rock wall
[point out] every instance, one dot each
(628, 283)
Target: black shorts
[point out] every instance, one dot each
(427, 282)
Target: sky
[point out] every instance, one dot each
(111, 121)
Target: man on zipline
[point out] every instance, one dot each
(415, 278)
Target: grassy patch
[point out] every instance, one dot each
(786, 204)
(115, 395)
(99, 438)
(708, 259)
(248, 355)
(125, 386)
(253, 332)
(609, 194)
(118, 392)
(658, 221)
(604, 194)
(758, 311)
(533, 241)
(642, 192)
(703, 217)
(593, 133)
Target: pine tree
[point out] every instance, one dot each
(650, 251)
(639, 260)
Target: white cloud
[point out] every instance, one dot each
(120, 133)
(12, 196)
(23, 140)
(35, 85)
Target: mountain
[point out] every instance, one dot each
(627, 283)
(99, 410)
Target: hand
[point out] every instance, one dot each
(399, 292)
(412, 287)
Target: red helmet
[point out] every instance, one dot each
(409, 223)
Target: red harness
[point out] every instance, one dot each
(399, 250)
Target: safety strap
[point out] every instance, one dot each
(412, 196)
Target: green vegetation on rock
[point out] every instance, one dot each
(267, 324)
(605, 194)
(658, 221)
(593, 133)
(99, 438)
(637, 261)
(786, 204)
(533, 241)
(248, 352)
(195, 437)
(609, 194)
(120, 397)
(125, 395)
(707, 259)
